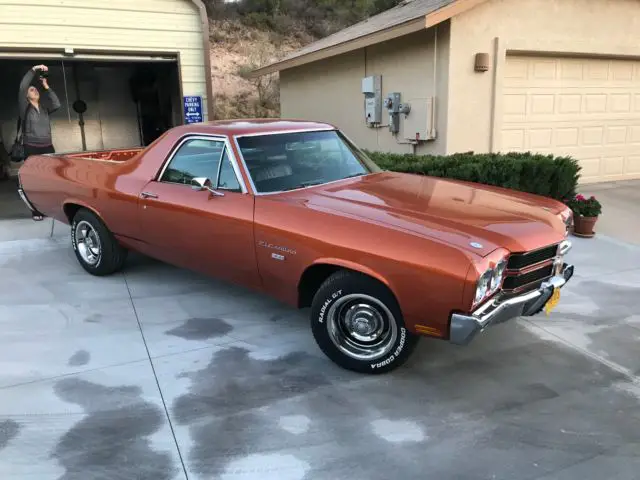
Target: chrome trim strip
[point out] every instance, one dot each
(213, 138)
(285, 132)
(246, 169)
(26, 201)
(217, 186)
(534, 266)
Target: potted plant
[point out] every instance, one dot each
(585, 214)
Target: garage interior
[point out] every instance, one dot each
(106, 104)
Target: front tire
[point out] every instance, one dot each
(97, 250)
(357, 323)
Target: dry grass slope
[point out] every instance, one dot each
(236, 50)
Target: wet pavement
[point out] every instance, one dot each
(159, 373)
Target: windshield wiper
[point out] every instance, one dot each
(304, 185)
(361, 174)
(312, 183)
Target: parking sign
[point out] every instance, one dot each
(193, 109)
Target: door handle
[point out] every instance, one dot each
(148, 195)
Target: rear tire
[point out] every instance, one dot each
(357, 323)
(97, 250)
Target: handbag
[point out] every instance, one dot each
(17, 150)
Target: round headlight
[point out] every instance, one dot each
(498, 274)
(484, 284)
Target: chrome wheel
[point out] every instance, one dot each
(362, 327)
(88, 243)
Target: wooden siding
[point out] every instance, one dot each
(110, 26)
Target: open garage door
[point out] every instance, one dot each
(583, 107)
(130, 101)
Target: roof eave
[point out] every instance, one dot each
(423, 22)
(354, 44)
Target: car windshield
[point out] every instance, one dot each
(289, 161)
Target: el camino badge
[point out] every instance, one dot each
(271, 246)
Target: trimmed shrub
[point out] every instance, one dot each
(546, 175)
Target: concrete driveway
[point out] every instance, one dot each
(159, 373)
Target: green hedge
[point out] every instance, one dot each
(555, 177)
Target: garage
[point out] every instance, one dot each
(587, 108)
(122, 71)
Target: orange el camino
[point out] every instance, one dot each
(297, 211)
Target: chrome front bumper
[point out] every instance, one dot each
(465, 327)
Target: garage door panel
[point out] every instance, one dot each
(633, 165)
(586, 108)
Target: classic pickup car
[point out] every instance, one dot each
(297, 211)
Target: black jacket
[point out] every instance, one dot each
(37, 126)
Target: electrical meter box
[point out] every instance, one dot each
(372, 90)
(421, 124)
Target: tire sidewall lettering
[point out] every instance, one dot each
(396, 353)
(327, 303)
(73, 236)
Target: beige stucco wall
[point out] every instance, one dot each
(330, 90)
(603, 27)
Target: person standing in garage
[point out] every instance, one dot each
(36, 124)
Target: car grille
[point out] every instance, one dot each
(518, 261)
(526, 271)
(516, 282)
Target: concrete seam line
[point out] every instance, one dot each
(608, 363)
(155, 376)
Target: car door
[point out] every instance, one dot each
(207, 230)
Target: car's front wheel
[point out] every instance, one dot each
(95, 247)
(357, 323)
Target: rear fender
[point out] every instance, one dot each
(79, 203)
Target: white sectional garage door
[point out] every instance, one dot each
(582, 107)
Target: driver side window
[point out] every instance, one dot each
(194, 158)
(197, 158)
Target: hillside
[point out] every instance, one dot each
(248, 33)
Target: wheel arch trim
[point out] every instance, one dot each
(348, 265)
(79, 203)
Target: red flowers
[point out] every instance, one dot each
(581, 206)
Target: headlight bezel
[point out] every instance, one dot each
(489, 283)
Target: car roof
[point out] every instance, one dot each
(242, 127)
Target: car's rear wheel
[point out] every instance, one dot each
(95, 247)
(357, 323)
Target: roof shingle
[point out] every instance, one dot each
(405, 12)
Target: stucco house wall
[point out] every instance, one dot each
(330, 90)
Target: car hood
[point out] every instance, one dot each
(453, 212)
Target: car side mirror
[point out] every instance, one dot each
(203, 183)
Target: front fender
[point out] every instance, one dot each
(338, 262)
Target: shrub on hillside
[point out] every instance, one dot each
(555, 177)
(317, 17)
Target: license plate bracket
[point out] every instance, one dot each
(553, 301)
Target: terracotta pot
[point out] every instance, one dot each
(583, 226)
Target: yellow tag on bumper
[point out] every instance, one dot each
(553, 301)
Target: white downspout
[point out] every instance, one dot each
(435, 83)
